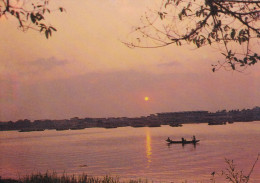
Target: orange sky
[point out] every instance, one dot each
(84, 70)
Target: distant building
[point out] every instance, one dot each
(183, 117)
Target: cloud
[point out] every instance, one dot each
(44, 64)
(121, 93)
(8, 88)
(169, 64)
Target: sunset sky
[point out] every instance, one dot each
(84, 70)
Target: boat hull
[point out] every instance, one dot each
(182, 142)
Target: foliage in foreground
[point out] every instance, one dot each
(231, 175)
(232, 26)
(55, 178)
(29, 14)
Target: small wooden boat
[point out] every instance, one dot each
(175, 125)
(61, 129)
(110, 126)
(154, 125)
(137, 125)
(216, 123)
(182, 142)
(77, 128)
(31, 130)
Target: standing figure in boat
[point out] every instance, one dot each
(194, 138)
(183, 140)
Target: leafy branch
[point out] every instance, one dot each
(29, 15)
(233, 26)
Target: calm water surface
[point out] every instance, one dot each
(133, 152)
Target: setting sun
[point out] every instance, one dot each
(146, 98)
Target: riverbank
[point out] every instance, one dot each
(230, 174)
(54, 178)
(174, 119)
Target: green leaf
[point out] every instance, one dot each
(17, 15)
(41, 29)
(47, 34)
(39, 16)
(245, 60)
(180, 16)
(233, 33)
(53, 28)
(209, 41)
(233, 66)
(33, 19)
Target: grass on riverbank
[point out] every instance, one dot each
(54, 178)
(231, 175)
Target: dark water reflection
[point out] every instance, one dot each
(133, 152)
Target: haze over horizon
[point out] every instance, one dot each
(84, 70)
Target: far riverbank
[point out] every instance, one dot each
(174, 119)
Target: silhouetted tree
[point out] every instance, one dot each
(48, 124)
(23, 123)
(231, 25)
(29, 14)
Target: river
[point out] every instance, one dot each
(133, 153)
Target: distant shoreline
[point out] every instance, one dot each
(174, 119)
(36, 130)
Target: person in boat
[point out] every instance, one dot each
(194, 138)
(168, 139)
(183, 140)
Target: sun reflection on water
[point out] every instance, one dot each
(148, 147)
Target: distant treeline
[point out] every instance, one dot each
(153, 120)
